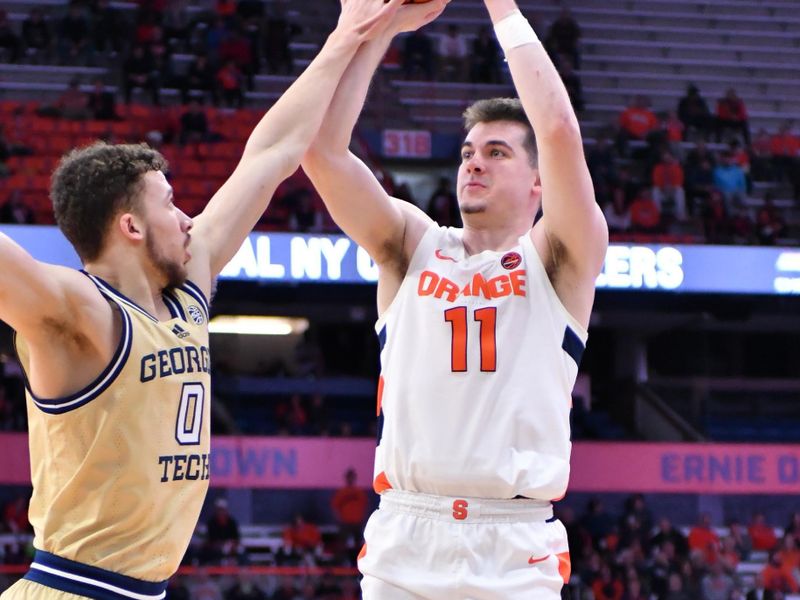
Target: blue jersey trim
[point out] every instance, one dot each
(174, 305)
(109, 290)
(56, 406)
(382, 337)
(572, 345)
(85, 580)
(196, 293)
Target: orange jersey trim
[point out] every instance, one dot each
(564, 566)
(381, 483)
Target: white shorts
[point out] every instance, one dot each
(440, 548)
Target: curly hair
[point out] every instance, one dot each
(92, 185)
(502, 109)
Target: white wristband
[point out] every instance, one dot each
(514, 30)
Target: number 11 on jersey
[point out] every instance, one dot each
(459, 323)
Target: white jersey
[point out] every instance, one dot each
(478, 360)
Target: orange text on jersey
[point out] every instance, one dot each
(431, 284)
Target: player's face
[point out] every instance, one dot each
(495, 174)
(167, 230)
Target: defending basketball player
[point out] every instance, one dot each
(116, 356)
(481, 329)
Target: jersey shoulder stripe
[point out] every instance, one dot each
(55, 406)
(573, 345)
(196, 293)
(174, 305)
(119, 298)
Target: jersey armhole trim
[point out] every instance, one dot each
(415, 261)
(573, 323)
(56, 406)
(195, 292)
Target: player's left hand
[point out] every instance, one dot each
(367, 19)
(411, 17)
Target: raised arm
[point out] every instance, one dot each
(572, 220)
(50, 306)
(384, 226)
(280, 139)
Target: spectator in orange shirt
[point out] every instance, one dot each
(703, 538)
(785, 150)
(762, 534)
(774, 577)
(349, 504)
(790, 555)
(230, 81)
(302, 535)
(729, 556)
(793, 527)
(668, 193)
(674, 130)
(645, 216)
(732, 115)
(637, 122)
(761, 156)
(606, 586)
(715, 218)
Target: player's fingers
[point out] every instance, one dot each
(381, 19)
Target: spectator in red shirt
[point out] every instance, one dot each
(645, 216)
(674, 130)
(668, 193)
(762, 534)
(237, 47)
(349, 504)
(715, 218)
(732, 115)
(15, 515)
(761, 156)
(638, 122)
(770, 224)
(775, 578)
(302, 535)
(785, 150)
(704, 539)
(229, 78)
(607, 586)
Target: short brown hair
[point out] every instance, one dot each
(502, 109)
(93, 184)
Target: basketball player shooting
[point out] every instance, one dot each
(481, 332)
(116, 355)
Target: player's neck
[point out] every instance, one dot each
(479, 237)
(129, 277)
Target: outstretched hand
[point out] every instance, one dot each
(367, 19)
(411, 17)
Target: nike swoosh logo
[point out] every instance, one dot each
(533, 561)
(441, 256)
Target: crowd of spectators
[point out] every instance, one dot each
(690, 173)
(687, 173)
(221, 50)
(630, 555)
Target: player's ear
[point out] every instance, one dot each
(536, 183)
(131, 226)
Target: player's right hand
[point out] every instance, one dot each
(367, 19)
(411, 17)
